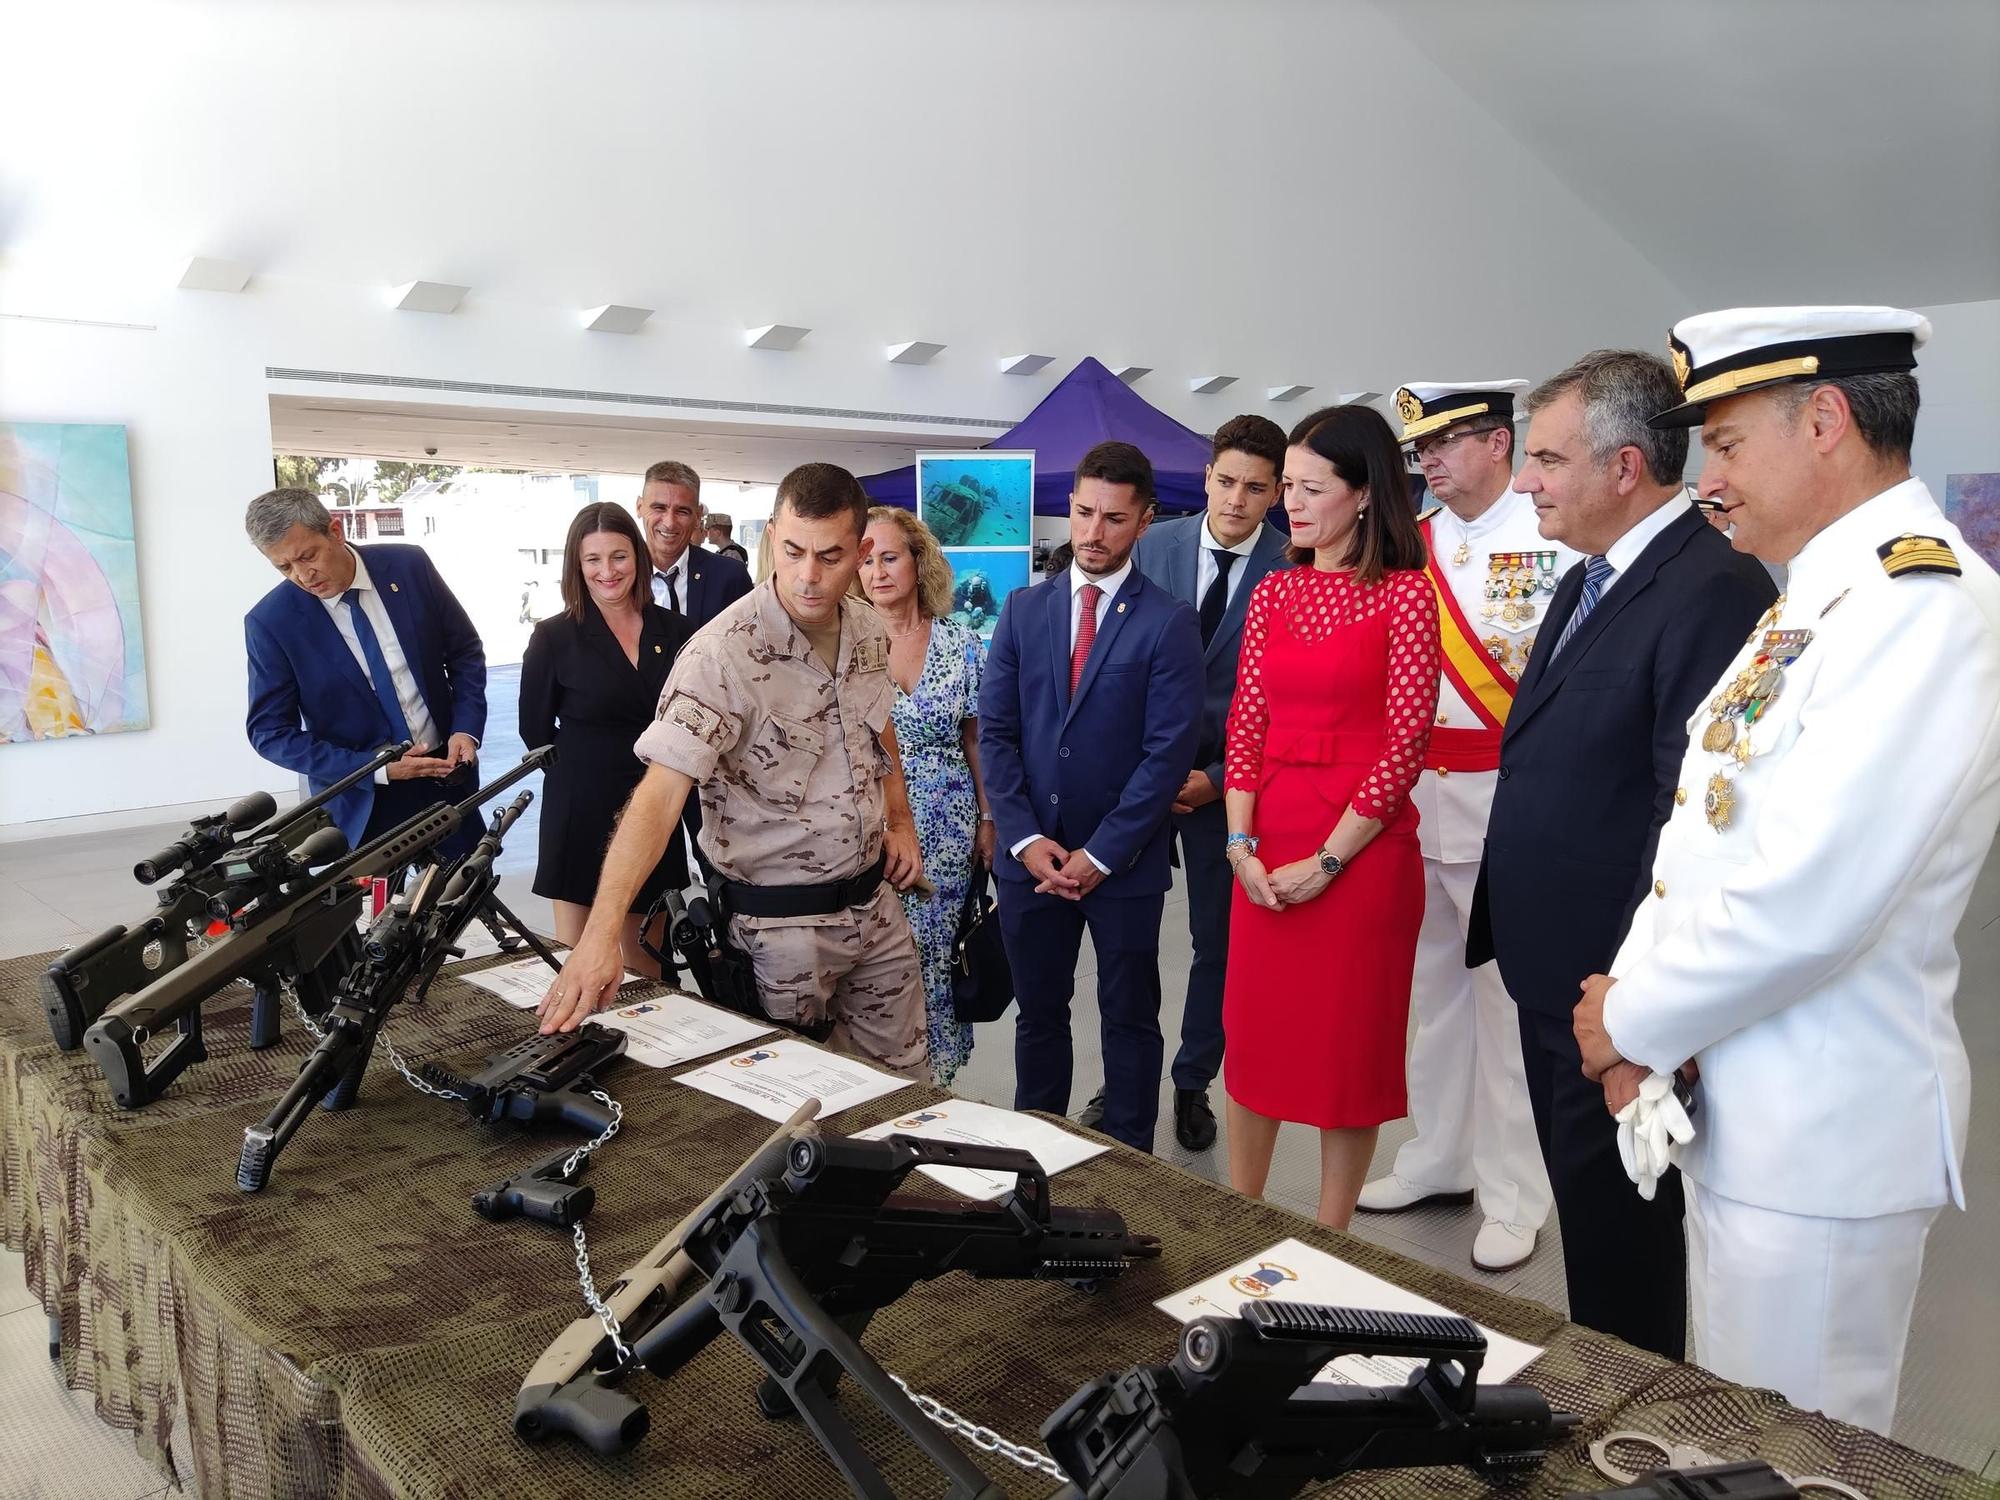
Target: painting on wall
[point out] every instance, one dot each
(1973, 503)
(72, 655)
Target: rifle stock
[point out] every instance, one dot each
(301, 923)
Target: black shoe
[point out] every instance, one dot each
(1194, 1121)
(1092, 1117)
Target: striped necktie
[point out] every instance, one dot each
(1086, 632)
(1596, 574)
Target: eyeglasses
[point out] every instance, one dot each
(1430, 447)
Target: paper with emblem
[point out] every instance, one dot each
(670, 1029)
(521, 983)
(965, 1123)
(775, 1079)
(1292, 1271)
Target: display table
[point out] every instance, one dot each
(356, 1330)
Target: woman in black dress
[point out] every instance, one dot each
(590, 683)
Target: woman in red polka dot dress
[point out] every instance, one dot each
(1335, 696)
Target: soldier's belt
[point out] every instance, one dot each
(743, 900)
(1463, 750)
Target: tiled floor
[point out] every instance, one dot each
(55, 891)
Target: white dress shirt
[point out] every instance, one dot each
(1109, 585)
(1622, 553)
(678, 574)
(1205, 564)
(423, 729)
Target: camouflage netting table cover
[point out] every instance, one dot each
(355, 1330)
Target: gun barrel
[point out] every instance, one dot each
(387, 755)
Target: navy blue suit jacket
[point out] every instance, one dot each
(312, 708)
(1591, 755)
(714, 582)
(1100, 770)
(1168, 554)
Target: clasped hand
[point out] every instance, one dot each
(1070, 874)
(1288, 885)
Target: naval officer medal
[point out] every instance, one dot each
(1747, 698)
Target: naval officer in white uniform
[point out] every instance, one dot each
(1494, 575)
(1839, 795)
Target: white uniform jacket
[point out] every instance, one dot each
(1803, 954)
(1452, 805)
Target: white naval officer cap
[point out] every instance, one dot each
(1430, 406)
(1719, 354)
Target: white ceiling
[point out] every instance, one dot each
(507, 438)
(1754, 150)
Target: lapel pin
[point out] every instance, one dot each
(1121, 607)
(656, 648)
(397, 588)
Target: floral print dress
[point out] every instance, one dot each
(929, 725)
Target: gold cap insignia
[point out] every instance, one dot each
(1681, 362)
(1408, 407)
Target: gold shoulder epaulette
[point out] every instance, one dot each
(1425, 515)
(1910, 553)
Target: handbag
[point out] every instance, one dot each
(982, 981)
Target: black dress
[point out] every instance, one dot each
(580, 693)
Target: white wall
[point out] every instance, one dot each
(1196, 190)
(1958, 427)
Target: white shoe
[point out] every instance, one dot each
(1393, 1194)
(1501, 1247)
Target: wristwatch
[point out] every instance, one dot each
(1333, 864)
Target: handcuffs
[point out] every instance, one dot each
(1686, 1456)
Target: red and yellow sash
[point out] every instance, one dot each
(1481, 681)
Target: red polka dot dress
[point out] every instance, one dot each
(1335, 696)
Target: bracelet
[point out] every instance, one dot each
(986, 817)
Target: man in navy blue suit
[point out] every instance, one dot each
(688, 579)
(1088, 720)
(1632, 643)
(1213, 561)
(357, 649)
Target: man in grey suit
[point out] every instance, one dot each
(1213, 561)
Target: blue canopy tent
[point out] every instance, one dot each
(1089, 405)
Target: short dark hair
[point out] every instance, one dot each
(1362, 448)
(1258, 437)
(1621, 390)
(1884, 407)
(601, 515)
(673, 471)
(818, 492)
(1119, 463)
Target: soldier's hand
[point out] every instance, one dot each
(1621, 1084)
(1044, 859)
(588, 982)
(1587, 1022)
(903, 862)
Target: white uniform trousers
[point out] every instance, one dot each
(1815, 1309)
(1468, 1088)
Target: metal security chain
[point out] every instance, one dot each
(985, 1439)
(583, 1279)
(422, 1086)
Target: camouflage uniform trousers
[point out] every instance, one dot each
(858, 966)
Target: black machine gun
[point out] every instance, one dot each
(404, 945)
(312, 915)
(233, 865)
(1238, 1415)
(794, 1254)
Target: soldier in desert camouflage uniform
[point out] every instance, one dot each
(778, 710)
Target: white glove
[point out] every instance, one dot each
(1649, 1127)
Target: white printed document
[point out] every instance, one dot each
(521, 983)
(967, 1123)
(1291, 1271)
(774, 1079)
(678, 1028)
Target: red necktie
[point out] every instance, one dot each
(1086, 632)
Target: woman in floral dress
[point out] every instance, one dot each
(936, 663)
